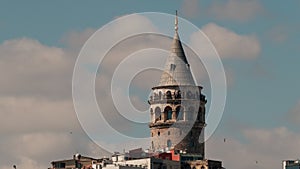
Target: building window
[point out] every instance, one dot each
(157, 114)
(169, 95)
(169, 132)
(168, 113)
(169, 143)
(179, 113)
(172, 67)
(178, 95)
(158, 133)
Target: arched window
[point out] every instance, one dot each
(168, 113)
(155, 96)
(169, 95)
(179, 113)
(157, 114)
(172, 67)
(159, 95)
(158, 133)
(169, 143)
(178, 95)
(202, 167)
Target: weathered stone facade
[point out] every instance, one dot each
(202, 164)
(177, 122)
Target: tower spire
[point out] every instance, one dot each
(176, 22)
(177, 70)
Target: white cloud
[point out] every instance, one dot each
(76, 39)
(266, 146)
(28, 114)
(33, 69)
(35, 101)
(25, 163)
(38, 149)
(36, 105)
(239, 10)
(230, 44)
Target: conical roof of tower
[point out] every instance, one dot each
(177, 69)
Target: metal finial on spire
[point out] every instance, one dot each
(176, 22)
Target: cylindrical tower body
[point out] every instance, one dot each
(177, 119)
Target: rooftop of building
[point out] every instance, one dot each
(177, 69)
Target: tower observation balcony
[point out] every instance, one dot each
(176, 98)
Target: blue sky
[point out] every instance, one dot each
(263, 94)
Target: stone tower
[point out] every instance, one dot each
(177, 107)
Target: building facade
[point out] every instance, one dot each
(291, 164)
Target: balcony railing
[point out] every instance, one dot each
(176, 99)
